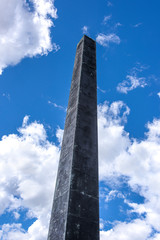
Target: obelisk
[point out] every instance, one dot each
(75, 212)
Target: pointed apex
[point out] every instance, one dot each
(85, 36)
(86, 39)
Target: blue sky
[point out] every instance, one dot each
(38, 41)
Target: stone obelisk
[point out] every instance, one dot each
(75, 212)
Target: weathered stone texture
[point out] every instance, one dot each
(75, 212)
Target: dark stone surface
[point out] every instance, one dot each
(75, 212)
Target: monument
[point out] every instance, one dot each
(75, 212)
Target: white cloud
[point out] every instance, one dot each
(6, 95)
(28, 169)
(25, 31)
(85, 30)
(138, 160)
(118, 24)
(132, 81)
(101, 90)
(112, 195)
(114, 114)
(113, 140)
(101, 224)
(16, 215)
(137, 25)
(135, 230)
(158, 94)
(37, 231)
(57, 106)
(106, 19)
(105, 40)
(156, 237)
(59, 135)
(29, 163)
(13, 231)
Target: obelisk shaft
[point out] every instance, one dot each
(75, 212)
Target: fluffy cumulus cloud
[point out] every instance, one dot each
(28, 168)
(111, 134)
(29, 163)
(25, 29)
(135, 230)
(132, 80)
(105, 40)
(138, 161)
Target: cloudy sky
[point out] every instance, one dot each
(38, 41)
